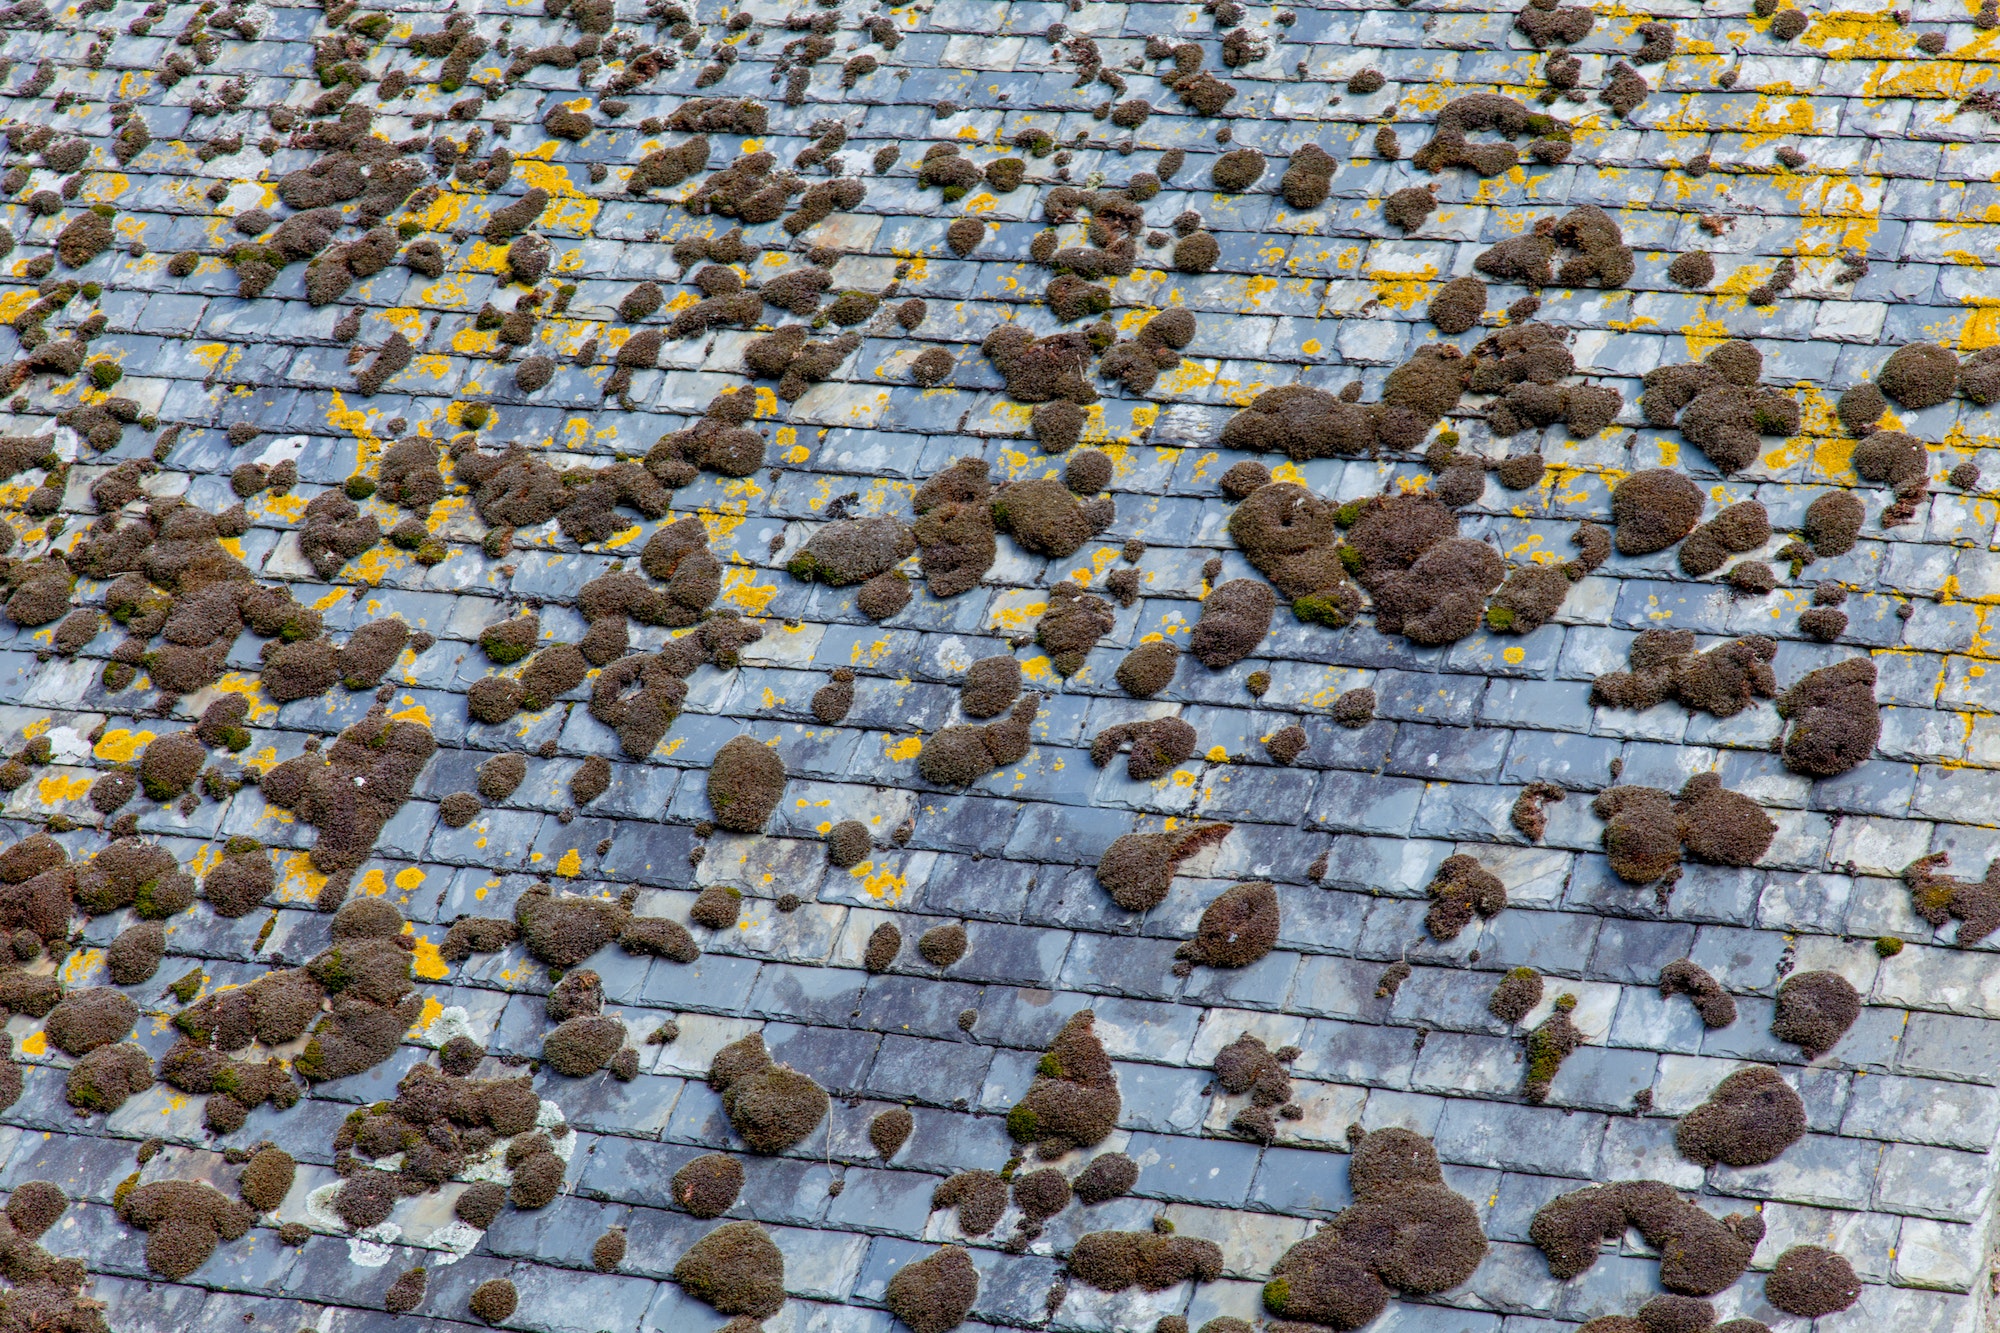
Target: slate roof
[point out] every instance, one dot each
(1898, 1168)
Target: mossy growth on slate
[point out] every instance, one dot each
(1700, 1254)
(1073, 1101)
(772, 1106)
(935, 1294)
(1748, 1120)
(1406, 1231)
(737, 1269)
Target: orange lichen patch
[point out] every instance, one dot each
(1761, 120)
(1852, 35)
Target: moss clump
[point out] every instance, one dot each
(1149, 669)
(183, 1222)
(498, 777)
(1119, 1260)
(659, 937)
(1458, 305)
(110, 792)
(1939, 898)
(1045, 518)
(852, 551)
(1441, 597)
(1088, 472)
(538, 1172)
(564, 931)
(934, 1294)
(1645, 829)
(1407, 208)
(990, 687)
(941, 946)
(608, 1252)
(884, 943)
(980, 1197)
(1071, 626)
(1109, 1176)
(1861, 409)
(493, 1300)
(1751, 578)
(222, 721)
(1247, 1065)
(1235, 617)
(745, 780)
(583, 1045)
(737, 1269)
(169, 766)
(480, 1204)
(1652, 510)
(350, 791)
(1748, 1120)
(1041, 1194)
(1489, 112)
(477, 935)
(1286, 744)
(1137, 869)
(34, 1207)
(1694, 269)
(1918, 375)
(954, 529)
(508, 641)
(1740, 528)
(1158, 746)
(718, 907)
(366, 1199)
(1809, 1281)
(1719, 826)
(1664, 665)
(1900, 460)
(590, 781)
(83, 238)
(1529, 598)
(1238, 169)
(1461, 889)
(1309, 178)
(86, 1019)
(772, 1106)
(135, 955)
(1355, 708)
(708, 1185)
(1041, 370)
(1686, 977)
(267, 1178)
(1546, 25)
(1834, 720)
(1700, 1255)
(459, 809)
(1406, 1232)
(1073, 1101)
(1814, 1011)
(1197, 252)
(1516, 995)
(1553, 1042)
(890, 1130)
(102, 1080)
(1057, 426)
(848, 844)
(832, 701)
(1237, 929)
(406, 1293)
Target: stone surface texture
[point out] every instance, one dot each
(1897, 1168)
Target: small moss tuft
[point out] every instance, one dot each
(494, 1300)
(708, 1185)
(737, 1269)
